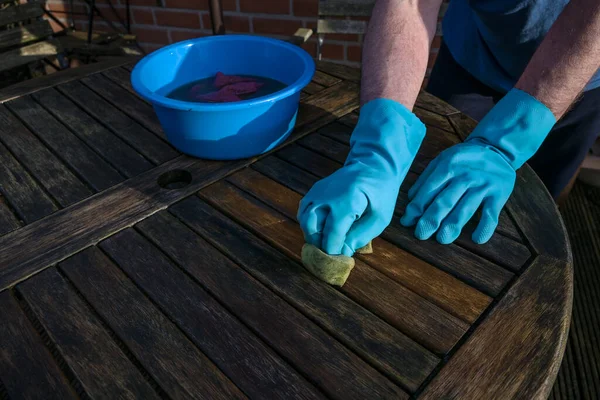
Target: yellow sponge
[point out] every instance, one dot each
(331, 269)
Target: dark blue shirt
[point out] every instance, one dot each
(495, 39)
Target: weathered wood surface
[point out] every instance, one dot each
(25, 34)
(123, 283)
(22, 12)
(27, 54)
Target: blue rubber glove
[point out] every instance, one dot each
(346, 210)
(478, 172)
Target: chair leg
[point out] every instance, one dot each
(320, 40)
(216, 16)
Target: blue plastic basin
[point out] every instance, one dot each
(225, 131)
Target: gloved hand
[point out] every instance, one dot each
(346, 210)
(478, 172)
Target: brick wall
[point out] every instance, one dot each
(160, 22)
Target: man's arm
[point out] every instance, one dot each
(567, 58)
(396, 49)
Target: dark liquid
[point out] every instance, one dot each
(185, 92)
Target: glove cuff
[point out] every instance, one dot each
(515, 128)
(389, 129)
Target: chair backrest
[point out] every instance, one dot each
(23, 34)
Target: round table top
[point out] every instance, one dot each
(130, 270)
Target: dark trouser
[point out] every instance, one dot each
(563, 151)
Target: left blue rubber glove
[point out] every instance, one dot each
(478, 172)
(346, 210)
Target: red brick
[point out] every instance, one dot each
(354, 53)
(233, 23)
(63, 7)
(306, 8)
(265, 6)
(181, 19)
(228, 5)
(142, 16)
(311, 48)
(333, 51)
(143, 3)
(272, 26)
(437, 42)
(150, 47)
(178, 35)
(151, 35)
(109, 13)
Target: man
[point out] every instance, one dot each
(530, 63)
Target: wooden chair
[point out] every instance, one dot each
(24, 36)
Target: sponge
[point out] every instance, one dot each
(331, 269)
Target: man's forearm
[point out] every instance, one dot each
(396, 49)
(567, 58)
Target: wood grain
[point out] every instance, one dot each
(125, 101)
(8, 220)
(356, 327)
(419, 319)
(531, 203)
(86, 163)
(313, 88)
(49, 170)
(78, 226)
(112, 148)
(429, 282)
(339, 71)
(250, 364)
(23, 350)
(22, 12)
(344, 26)
(27, 54)
(533, 321)
(324, 79)
(21, 191)
(25, 34)
(320, 358)
(433, 120)
(345, 8)
(164, 351)
(33, 85)
(431, 103)
(122, 76)
(95, 360)
(156, 150)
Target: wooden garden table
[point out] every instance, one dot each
(128, 270)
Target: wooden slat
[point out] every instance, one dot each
(123, 205)
(25, 34)
(27, 54)
(431, 103)
(125, 101)
(323, 79)
(379, 343)
(121, 155)
(22, 12)
(351, 8)
(122, 77)
(8, 220)
(33, 85)
(251, 365)
(21, 191)
(339, 71)
(92, 168)
(422, 278)
(313, 88)
(516, 351)
(341, 26)
(431, 119)
(153, 148)
(56, 178)
(531, 203)
(463, 124)
(419, 319)
(165, 352)
(322, 359)
(27, 369)
(95, 360)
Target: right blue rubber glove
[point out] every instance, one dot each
(478, 172)
(346, 210)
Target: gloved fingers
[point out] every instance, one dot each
(361, 233)
(422, 178)
(312, 223)
(336, 228)
(428, 191)
(454, 223)
(489, 220)
(439, 209)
